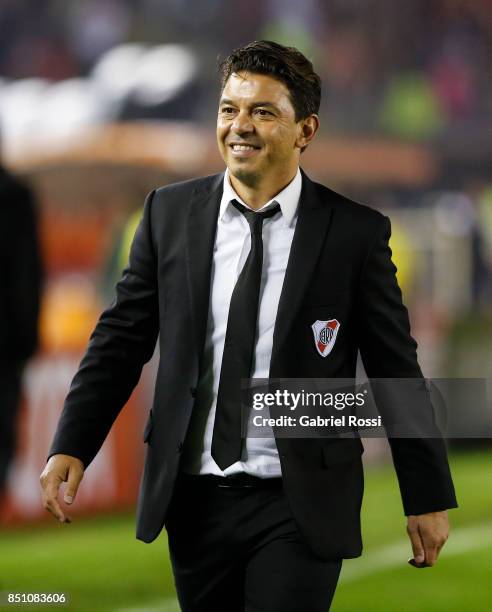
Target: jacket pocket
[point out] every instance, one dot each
(148, 427)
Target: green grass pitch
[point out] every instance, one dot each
(102, 567)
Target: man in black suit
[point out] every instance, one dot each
(232, 271)
(19, 304)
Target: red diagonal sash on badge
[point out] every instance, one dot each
(325, 334)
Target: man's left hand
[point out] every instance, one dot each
(428, 534)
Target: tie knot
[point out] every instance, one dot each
(255, 219)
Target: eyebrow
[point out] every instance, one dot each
(254, 105)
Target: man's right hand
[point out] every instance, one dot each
(60, 468)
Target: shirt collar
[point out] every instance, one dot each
(288, 199)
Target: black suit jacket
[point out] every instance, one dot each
(339, 267)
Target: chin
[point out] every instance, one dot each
(247, 177)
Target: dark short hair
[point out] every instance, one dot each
(287, 64)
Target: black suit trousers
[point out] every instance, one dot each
(10, 396)
(239, 550)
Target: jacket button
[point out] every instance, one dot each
(193, 391)
(179, 447)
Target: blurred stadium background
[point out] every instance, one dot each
(102, 100)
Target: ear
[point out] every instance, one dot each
(307, 129)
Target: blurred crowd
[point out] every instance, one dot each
(417, 70)
(411, 72)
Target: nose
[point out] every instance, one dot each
(242, 123)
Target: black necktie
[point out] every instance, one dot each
(239, 344)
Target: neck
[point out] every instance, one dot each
(257, 196)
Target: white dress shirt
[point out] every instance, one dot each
(232, 246)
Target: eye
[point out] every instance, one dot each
(263, 112)
(227, 110)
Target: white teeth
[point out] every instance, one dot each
(242, 148)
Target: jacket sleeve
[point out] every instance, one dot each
(121, 343)
(388, 351)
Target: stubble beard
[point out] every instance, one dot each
(247, 177)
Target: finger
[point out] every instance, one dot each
(432, 544)
(51, 504)
(433, 548)
(50, 498)
(74, 477)
(417, 544)
(431, 553)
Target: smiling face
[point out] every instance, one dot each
(257, 133)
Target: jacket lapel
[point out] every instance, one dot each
(311, 229)
(200, 237)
